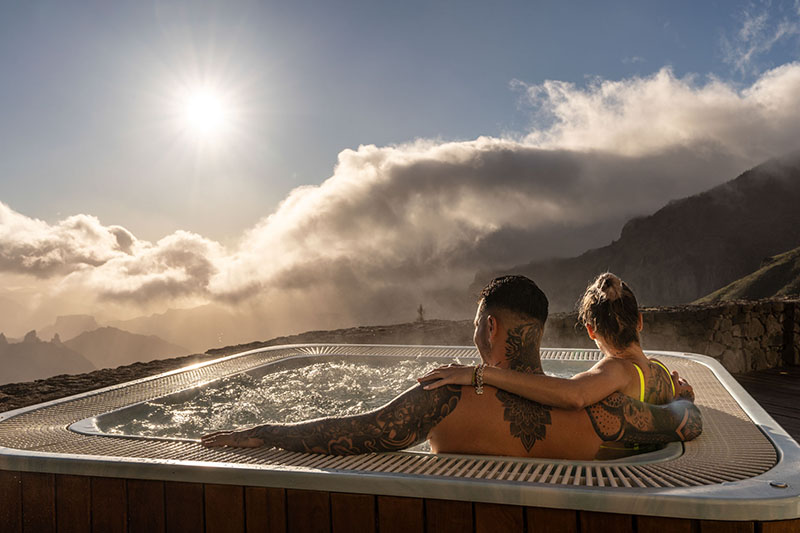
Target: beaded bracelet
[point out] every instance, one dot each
(478, 375)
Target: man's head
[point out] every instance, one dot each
(505, 303)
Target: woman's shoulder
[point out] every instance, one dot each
(659, 389)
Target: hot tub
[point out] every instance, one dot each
(743, 467)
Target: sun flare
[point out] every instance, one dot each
(205, 113)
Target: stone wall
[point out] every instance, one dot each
(742, 335)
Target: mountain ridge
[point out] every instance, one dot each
(688, 248)
(778, 277)
(109, 347)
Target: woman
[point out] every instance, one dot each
(610, 313)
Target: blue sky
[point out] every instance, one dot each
(352, 160)
(83, 104)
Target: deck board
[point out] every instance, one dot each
(776, 390)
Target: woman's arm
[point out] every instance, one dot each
(580, 391)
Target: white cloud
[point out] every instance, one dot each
(399, 225)
(645, 115)
(762, 27)
(633, 60)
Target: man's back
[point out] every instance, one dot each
(498, 423)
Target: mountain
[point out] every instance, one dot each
(34, 359)
(198, 328)
(779, 276)
(689, 248)
(69, 326)
(111, 347)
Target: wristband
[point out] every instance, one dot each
(479, 378)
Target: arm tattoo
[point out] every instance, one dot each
(405, 421)
(623, 419)
(528, 419)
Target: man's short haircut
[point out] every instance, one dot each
(517, 294)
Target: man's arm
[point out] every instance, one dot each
(404, 422)
(621, 418)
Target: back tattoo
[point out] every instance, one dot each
(528, 420)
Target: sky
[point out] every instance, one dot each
(344, 161)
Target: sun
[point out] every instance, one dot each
(205, 113)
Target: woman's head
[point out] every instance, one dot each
(609, 309)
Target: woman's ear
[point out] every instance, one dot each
(590, 331)
(640, 323)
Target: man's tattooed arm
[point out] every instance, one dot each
(404, 422)
(621, 418)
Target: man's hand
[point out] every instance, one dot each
(234, 439)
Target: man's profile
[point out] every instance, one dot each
(509, 324)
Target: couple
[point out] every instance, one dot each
(461, 410)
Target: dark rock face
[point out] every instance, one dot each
(690, 247)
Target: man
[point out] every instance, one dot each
(461, 419)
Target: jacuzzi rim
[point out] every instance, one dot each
(743, 500)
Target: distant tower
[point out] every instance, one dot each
(420, 313)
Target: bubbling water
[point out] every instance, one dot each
(293, 395)
(331, 388)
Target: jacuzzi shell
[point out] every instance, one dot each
(729, 492)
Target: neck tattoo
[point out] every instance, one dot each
(522, 348)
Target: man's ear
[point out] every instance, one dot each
(492, 326)
(590, 332)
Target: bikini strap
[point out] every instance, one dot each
(641, 381)
(672, 383)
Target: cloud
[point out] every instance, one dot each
(398, 225)
(34, 247)
(762, 27)
(646, 115)
(630, 60)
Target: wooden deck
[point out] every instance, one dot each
(777, 390)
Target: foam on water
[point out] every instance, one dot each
(293, 395)
(313, 391)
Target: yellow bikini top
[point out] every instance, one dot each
(641, 378)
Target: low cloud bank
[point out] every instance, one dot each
(399, 225)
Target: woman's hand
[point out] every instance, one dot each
(234, 439)
(683, 391)
(448, 375)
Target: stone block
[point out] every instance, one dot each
(736, 331)
(724, 337)
(733, 361)
(773, 325)
(754, 329)
(715, 350)
(740, 318)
